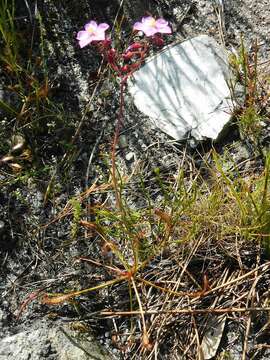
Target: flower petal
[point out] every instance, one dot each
(82, 35)
(138, 26)
(161, 22)
(92, 24)
(164, 30)
(163, 27)
(145, 27)
(149, 31)
(98, 35)
(84, 42)
(103, 26)
(148, 19)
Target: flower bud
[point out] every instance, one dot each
(157, 40)
(111, 56)
(125, 69)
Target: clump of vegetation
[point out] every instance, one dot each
(252, 113)
(164, 253)
(27, 107)
(77, 213)
(27, 72)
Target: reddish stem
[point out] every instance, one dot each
(123, 72)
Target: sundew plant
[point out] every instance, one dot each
(123, 64)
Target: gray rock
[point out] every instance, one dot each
(184, 89)
(45, 342)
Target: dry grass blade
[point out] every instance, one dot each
(145, 338)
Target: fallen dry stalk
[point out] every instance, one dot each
(185, 311)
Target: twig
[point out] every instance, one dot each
(251, 296)
(92, 155)
(199, 349)
(262, 346)
(219, 9)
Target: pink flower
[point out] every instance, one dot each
(150, 26)
(92, 32)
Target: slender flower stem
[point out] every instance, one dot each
(115, 141)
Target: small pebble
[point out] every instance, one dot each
(123, 142)
(2, 225)
(17, 148)
(130, 156)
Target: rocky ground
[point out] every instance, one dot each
(37, 251)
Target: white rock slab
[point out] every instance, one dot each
(184, 89)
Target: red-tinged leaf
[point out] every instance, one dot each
(135, 46)
(163, 216)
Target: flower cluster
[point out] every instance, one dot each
(131, 59)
